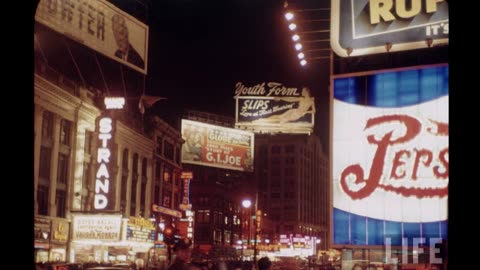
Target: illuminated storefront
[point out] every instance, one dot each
(42, 228)
(92, 235)
(139, 236)
(51, 239)
(59, 240)
(110, 238)
(291, 245)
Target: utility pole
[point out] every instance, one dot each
(257, 228)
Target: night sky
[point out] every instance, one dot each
(198, 50)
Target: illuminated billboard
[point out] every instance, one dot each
(274, 108)
(104, 198)
(101, 26)
(361, 27)
(390, 165)
(216, 146)
(140, 229)
(96, 227)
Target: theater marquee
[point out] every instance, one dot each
(96, 227)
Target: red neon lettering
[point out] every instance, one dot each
(413, 129)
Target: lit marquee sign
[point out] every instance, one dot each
(190, 215)
(96, 227)
(104, 193)
(390, 156)
(186, 225)
(114, 102)
(284, 239)
(186, 176)
(140, 230)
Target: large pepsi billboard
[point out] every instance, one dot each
(390, 164)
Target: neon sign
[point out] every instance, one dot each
(102, 182)
(114, 102)
(390, 156)
(189, 215)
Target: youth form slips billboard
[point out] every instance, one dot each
(390, 156)
(271, 107)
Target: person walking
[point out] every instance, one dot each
(264, 264)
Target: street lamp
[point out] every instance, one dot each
(246, 204)
(288, 16)
(258, 215)
(240, 243)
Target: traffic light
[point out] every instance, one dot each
(169, 235)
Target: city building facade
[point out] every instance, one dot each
(143, 169)
(98, 173)
(293, 189)
(216, 195)
(64, 120)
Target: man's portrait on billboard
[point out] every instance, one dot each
(192, 149)
(125, 49)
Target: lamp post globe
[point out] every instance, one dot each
(246, 203)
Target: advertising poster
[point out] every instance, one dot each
(99, 25)
(274, 108)
(140, 230)
(361, 27)
(215, 146)
(390, 163)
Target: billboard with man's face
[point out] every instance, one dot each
(390, 162)
(99, 25)
(216, 146)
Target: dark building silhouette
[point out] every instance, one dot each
(293, 187)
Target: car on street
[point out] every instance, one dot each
(109, 268)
